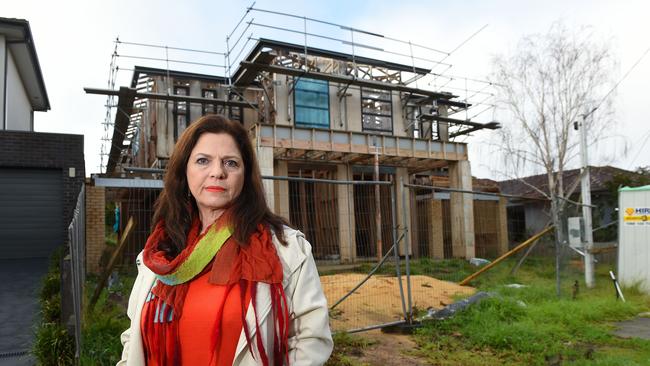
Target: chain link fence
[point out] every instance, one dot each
(355, 241)
(359, 239)
(76, 260)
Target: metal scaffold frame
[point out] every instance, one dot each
(418, 86)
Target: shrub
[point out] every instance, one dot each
(53, 345)
(102, 326)
(101, 339)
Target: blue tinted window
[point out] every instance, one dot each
(311, 101)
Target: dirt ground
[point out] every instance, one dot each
(388, 350)
(378, 300)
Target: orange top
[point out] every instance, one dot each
(201, 322)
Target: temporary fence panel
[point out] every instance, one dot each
(339, 220)
(313, 206)
(136, 203)
(365, 215)
(77, 243)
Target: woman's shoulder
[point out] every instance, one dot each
(295, 251)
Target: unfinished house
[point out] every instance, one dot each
(316, 113)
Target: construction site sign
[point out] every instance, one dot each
(637, 216)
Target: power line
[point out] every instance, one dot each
(621, 80)
(647, 135)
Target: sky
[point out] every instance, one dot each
(75, 40)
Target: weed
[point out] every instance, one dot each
(53, 346)
(532, 325)
(345, 345)
(51, 309)
(101, 337)
(51, 285)
(102, 326)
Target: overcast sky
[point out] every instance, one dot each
(75, 39)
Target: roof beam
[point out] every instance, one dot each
(122, 118)
(453, 103)
(176, 98)
(433, 117)
(343, 79)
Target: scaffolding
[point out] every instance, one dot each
(349, 57)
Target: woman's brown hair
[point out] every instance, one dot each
(176, 208)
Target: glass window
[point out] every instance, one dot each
(311, 101)
(376, 110)
(181, 111)
(209, 108)
(235, 113)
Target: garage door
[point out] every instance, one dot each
(31, 212)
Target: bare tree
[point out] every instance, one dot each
(543, 87)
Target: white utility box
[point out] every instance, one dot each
(634, 237)
(575, 232)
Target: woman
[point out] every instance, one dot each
(222, 280)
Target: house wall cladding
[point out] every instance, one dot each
(20, 149)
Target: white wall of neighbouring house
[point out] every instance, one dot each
(536, 216)
(18, 109)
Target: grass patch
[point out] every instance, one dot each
(103, 325)
(346, 345)
(532, 326)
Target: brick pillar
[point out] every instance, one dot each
(265, 160)
(436, 235)
(95, 226)
(345, 203)
(281, 188)
(502, 226)
(462, 210)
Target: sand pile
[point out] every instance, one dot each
(378, 300)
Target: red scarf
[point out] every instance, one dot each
(246, 265)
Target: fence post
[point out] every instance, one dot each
(380, 250)
(407, 250)
(393, 208)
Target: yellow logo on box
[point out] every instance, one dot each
(637, 216)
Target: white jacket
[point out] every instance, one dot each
(310, 340)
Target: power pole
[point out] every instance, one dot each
(585, 191)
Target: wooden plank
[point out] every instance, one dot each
(109, 268)
(519, 247)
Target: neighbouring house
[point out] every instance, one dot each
(529, 215)
(41, 174)
(317, 113)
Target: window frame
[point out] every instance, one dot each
(389, 102)
(296, 123)
(177, 112)
(235, 97)
(205, 105)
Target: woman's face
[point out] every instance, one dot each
(215, 172)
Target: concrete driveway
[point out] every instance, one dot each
(20, 281)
